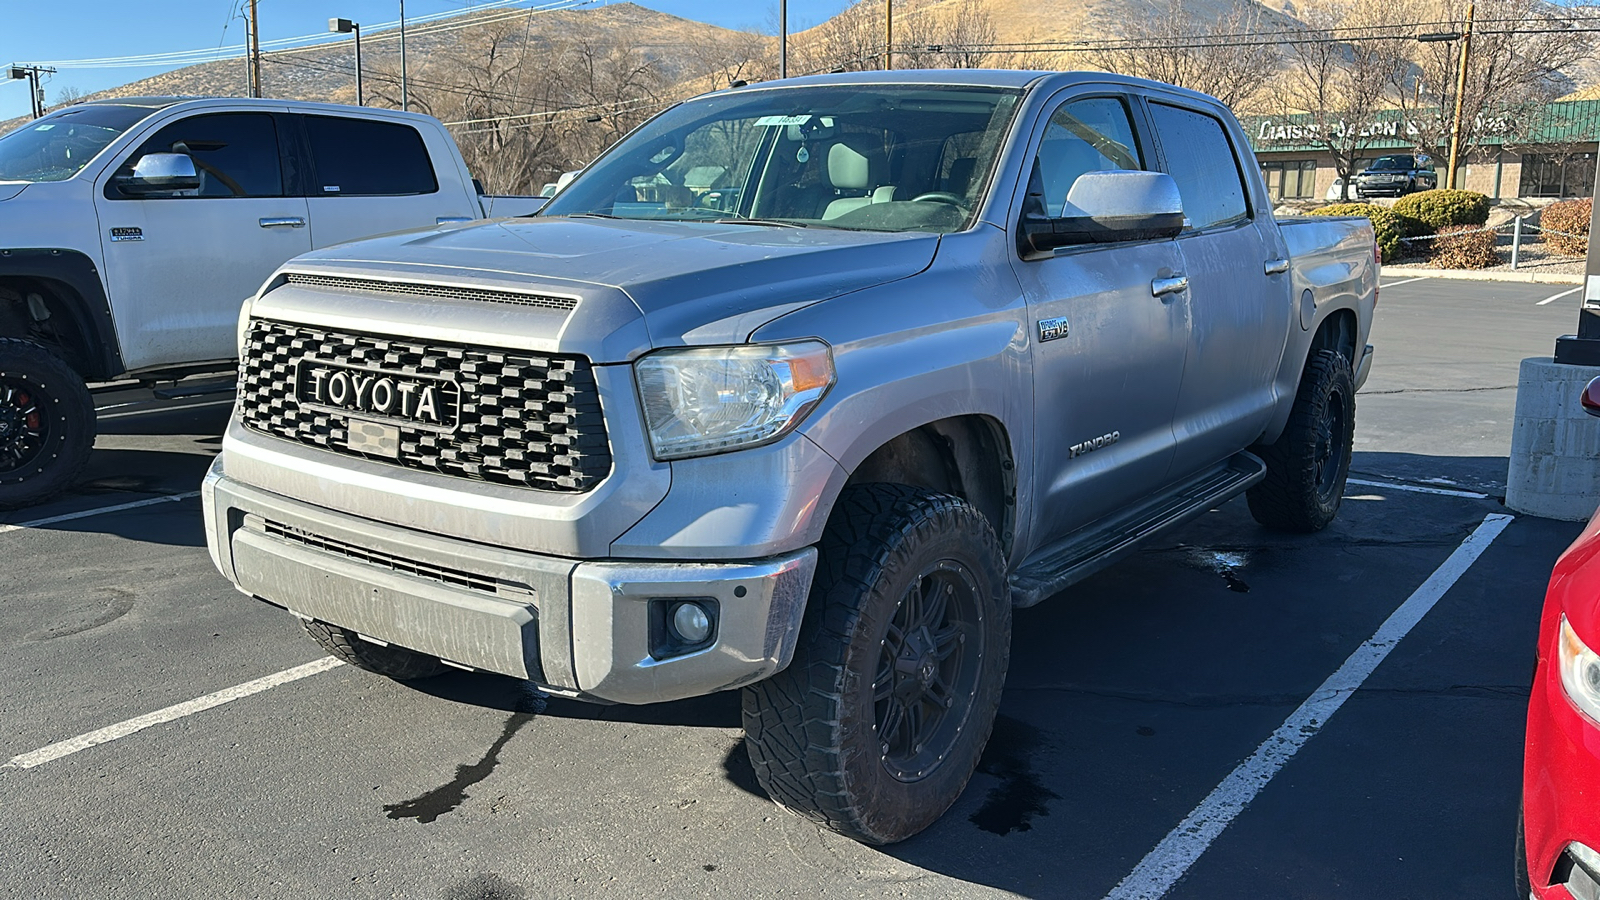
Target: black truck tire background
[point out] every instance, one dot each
(1308, 464)
(47, 424)
(389, 661)
(895, 562)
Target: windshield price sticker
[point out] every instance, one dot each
(783, 120)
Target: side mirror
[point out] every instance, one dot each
(565, 179)
(1590, 398)
(160, 173)
(1106, 207)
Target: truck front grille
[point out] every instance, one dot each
(501, 416)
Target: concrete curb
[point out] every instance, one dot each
(1467, 275)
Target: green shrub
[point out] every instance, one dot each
(1443, 208)
(1571, 217)
(1465, 247)
(1386, 226)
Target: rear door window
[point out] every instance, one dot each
(364, 158)
(236, 154)
(1201, 160)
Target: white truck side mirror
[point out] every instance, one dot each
(158, 173)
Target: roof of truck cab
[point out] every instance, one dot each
(158, 103)
(996, 78)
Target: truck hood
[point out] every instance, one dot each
(9, 189)
(638, 285)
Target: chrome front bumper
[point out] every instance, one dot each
(588, 628)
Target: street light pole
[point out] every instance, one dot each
(783, 38)
(405, 94)
(345, 26)
(255, 52)
(1461, 92)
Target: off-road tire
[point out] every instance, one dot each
(1300, 491)
(813, 729)
(390, 661)
(64, 412)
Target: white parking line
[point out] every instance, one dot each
(1406, 281)
(1170, 860)
(1558, 296)
(99, 510)
(164, 409)
(161, 716)
(1417, 489)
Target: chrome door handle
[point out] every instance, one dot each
(283, 222)
(1169, 285)
(1277, 266)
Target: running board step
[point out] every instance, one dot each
(1095, 546)
(180, 391)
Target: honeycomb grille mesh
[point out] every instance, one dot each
(523, 419)
(370, 286)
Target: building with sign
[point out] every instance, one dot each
(1550, 156)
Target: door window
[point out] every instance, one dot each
(360, 157)
(1201, 160)
(235, 153)
(1090, 135)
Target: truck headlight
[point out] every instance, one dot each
(711, 399)
(1580, 671)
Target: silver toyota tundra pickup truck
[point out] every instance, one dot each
(799, 389)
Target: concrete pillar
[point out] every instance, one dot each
(1555, 445)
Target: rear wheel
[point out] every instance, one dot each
(1308, 464)
(47, 424)
(387, 660)
(875, 727)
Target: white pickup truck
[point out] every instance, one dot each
(131, 230)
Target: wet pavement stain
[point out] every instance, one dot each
(1020, 796)
(486, 887)
(445, 798)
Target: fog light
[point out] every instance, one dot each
(690, 622)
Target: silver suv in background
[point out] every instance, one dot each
(798, 390)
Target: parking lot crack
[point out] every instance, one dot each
(1468, 390)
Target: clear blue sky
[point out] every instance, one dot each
(83, 29)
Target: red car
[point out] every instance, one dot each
(1558, 856)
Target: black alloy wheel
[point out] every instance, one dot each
(47, 424)
(928, 670)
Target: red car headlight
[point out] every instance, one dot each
(1580, 672)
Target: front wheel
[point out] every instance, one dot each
(381, 659)
(1308, 464)
(876, 726)
(47, 424)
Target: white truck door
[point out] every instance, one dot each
(371, 177)
(1107, 351)
(178, 265)
(1238, 286)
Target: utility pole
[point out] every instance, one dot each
(31, 75)
(783, 38)
(888, 34)
(1461, 92)
(405, 94)
(255, 52)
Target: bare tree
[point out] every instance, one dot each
(1172, 44)
(1342, 85)
(1513, 71)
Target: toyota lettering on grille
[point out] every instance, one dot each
(418, 401)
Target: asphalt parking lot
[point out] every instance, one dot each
(1131, 698)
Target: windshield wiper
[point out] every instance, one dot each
(775, 223)
(592, 215)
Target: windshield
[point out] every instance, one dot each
(59, 145)
(1393, 162)
(888, 158)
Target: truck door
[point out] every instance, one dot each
(1239, 300)
(1107, 351)
(178, 264)
(370, 177)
